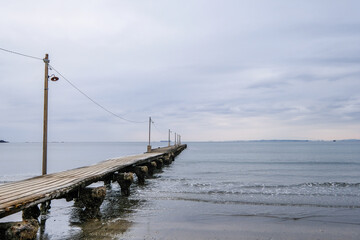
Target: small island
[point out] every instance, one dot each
(3, 141)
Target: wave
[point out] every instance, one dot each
(314, 190)
(311, 184)
(270, 216)
(250, 193)
(264, 186)
(220, 192)
(239, 162)
(332, 184)
(308, 217)
(260, 203)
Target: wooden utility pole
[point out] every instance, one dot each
(149, 145)
(46, 89)
(169, 138)
(175, 140)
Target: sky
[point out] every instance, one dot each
(209, 70)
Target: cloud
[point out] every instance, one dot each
(210, 69)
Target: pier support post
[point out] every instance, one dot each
(107, 181)
(169, 159)
(151, 167)
(91, 199)
(45, 207)
(159, 163)
(124, 180)
(141, 172)
(31, 213)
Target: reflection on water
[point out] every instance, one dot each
(95, 229)
(66, 221)
(116, 211)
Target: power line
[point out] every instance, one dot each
(21, 54)
(161, 130)
(153, 123)
(92, 100)
(80, 91)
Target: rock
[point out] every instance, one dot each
(24, 230)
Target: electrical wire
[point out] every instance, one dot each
(21, 54)
(80, 91)
(159, 130)
(92, 100)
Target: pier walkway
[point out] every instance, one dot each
(20, 195)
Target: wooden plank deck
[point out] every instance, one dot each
(18, 195)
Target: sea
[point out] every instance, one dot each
(213, 190)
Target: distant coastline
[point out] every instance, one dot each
(291, 140)
(3, 141)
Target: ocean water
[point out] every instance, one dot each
(213, 190)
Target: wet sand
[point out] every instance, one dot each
(173, 223)
(248, 229)
(127, 218)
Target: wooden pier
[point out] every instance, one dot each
(25, 195)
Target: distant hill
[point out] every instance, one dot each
(3, 141)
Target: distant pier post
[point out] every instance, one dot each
(149, 145)
(169, 138)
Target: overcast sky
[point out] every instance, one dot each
(209, 70)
